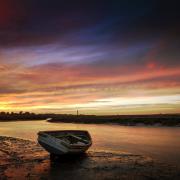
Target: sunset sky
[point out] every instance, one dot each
(100, 57)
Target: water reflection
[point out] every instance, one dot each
(159, 142)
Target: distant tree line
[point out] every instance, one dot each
(161, 119)
(7, 116)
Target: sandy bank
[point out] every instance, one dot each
(23, 159)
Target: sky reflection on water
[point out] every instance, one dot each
(158, 142)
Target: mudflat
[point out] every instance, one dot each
(24, 159)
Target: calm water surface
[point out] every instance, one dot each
(162, 143)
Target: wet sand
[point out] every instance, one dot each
(23, 159)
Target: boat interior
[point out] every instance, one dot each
(71, 136)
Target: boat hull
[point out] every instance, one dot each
(57, 147)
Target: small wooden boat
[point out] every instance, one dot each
(65, 142)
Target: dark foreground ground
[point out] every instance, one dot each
(23, 159)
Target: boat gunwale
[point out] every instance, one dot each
(48, 133)
(56, 131)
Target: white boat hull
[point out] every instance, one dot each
(58, 147)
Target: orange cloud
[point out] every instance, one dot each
(58, 86)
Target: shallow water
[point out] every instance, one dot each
(161, 143)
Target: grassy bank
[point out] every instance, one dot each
(157, 119)
(165, 120)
